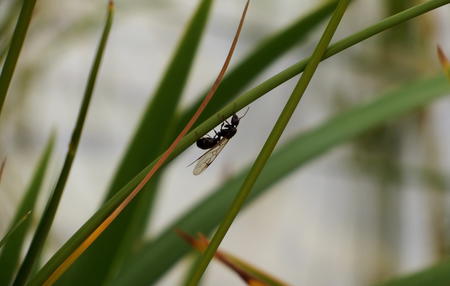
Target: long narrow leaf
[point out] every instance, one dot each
(52, 205)
(109, 251)
(10, 254)
(157, 256)
(74, 242)
(15, 47)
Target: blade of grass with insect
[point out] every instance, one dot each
(271, 141)
(52, 205)
(160, 254)
(271, 48)
(10, 255)
(15, 47)
(267, 52)
(246, 70)
(437, 275)
(107, 253)
(89, 226)
(73, 256)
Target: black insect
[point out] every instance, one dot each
(215, 144)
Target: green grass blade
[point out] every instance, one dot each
(105, 256)
(248, 97)
(270, 49)
(15, 47)
(9, 257)
(438, 275)
(159, 255)
(52, 204)
(271, 142)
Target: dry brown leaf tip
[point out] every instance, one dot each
(443, 58)
(201, 243)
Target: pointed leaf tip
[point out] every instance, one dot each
(442, 58)
(444, 61)
(200, 243)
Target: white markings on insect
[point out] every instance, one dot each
(209, 156)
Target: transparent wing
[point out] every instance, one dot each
(206, 159)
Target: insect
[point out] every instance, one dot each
(215, 144)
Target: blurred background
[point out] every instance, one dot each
(364, 212)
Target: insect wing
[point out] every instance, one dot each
(206, 159)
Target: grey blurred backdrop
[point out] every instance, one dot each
(344, 219)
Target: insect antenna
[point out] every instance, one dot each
(245, 113)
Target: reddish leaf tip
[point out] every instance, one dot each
(111, 5)
(442, 57)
